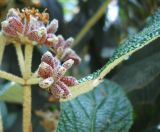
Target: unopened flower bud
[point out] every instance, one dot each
(33, 35)
(45, 70)
(46, 83)
(57, 91)
(68, 64)
(50, 60)
(61, 70)
(60, 39)
(38, 35)
(53, 26)
(65, 88)
(69, 42)
(7, 29)
(66, 52)
(51, 40)
(42, 33)
(69, 80)
(73, 56)
(15, 24)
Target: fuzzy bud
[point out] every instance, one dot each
(7, 29)
(65, 88)
(61, 71)
(46, 83)
(33, 35)
(60, 39)
(57, 91)
(42, 33)
(51, 40)
(38, 35)
(45, 70)
(50, 60)
(72, 55)
(69, 80)
(16, 24)
(68, 64)
(69, 42)
(53, 26)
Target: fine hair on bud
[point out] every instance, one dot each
(45, 70)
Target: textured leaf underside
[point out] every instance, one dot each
(128, 47)
(104, 109)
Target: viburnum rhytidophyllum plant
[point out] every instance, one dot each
(29, 27)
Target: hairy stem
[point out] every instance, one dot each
(2, 46)
(33, 81)
(27, 89)
(20, 57)
(11, 77)
(28, 60)
(27, 109)
(91, 22)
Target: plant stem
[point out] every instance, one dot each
(27, 109)
(27, 89)
(20, 57)
(33, 80)
(2, 46)
(11, 77)
(28, 60)
(91, 22)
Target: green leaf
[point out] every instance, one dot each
(104, 109)
(127, 48)
(11, 92)
(141, 73)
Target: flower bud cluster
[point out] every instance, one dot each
(54, 80)
(31, 25)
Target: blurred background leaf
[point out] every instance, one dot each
(11, 92)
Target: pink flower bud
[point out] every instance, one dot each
(7, 29)
(66, 52)
(42, 33)
(65, 88)
(53, 26)
(51, 40)
(50, 60)
(45, 70)
(61, 71)
(46, 83)
(69, 42)
(68, 64)
(72, 55)
(33, 35)
(57, 91)
(60, 39)
(38, 35)
(60, 43)
(15, 24)
(69, 80)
